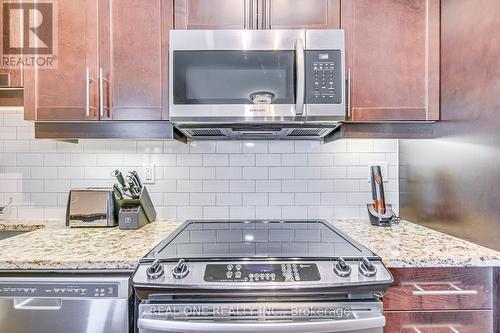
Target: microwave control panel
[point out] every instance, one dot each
(323, 77)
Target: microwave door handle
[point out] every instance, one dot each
(348, 325)
(301, 80)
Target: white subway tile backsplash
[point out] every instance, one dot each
(83, 160)
(281, 199)
(385, 146)
(307, 173)
(215, 212)
(280, 147)
(255, 199)
(320, 159)
(255, 147)
(202, 173)
(242, 212)
(205, 147)
(202, 199)
(57, 160)
(360, 146)
(307, 199)
(268, 160)
(201, 179)
(16, 146)
(215, 159)
(44, 173)
(166, 160)
(229, 199)
(29, 159)
(234, 147)
(228, 173)
(294, 159)
(255, 173)
(97, 146)
(189, 186)
(189, 159)
(268, 212)
(242, 186)
(294, 186)
(281, 173)
(175, 173)
(268, 186)
(320, 185)
(150, 147)
(242, 159)
(215, 186)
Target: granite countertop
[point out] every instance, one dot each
(52, 246)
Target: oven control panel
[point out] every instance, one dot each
(323, 77)
(261, 272)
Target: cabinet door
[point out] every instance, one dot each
(133, 44)
(215, 14)
(300, 14)
(64, 92)
(439, 322)
(392, 51)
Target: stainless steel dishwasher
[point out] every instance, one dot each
(63, 303)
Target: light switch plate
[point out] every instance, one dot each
(149, 174)
(385, 170)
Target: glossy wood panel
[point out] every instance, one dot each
(439, 322)
(215, 14)
(400, 295)
(15, 76)
(134, 58)
(60, 93)
(300, 14)
(392, 51)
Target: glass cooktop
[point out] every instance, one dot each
(206, 240)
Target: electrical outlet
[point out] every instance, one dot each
(149, 174)
(385, 170)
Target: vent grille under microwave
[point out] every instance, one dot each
(262, 133)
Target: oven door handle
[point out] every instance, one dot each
(325, 326)
(300, 68)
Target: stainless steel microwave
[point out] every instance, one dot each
(257, 83)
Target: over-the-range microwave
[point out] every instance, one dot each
(257, 84)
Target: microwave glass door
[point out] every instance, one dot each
(233, 77)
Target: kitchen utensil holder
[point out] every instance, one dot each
(380, 220)
(144, 201)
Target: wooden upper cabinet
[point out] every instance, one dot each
(392, 51)
(300, 14)
(133, 58)
(215, 14)
(64, 92)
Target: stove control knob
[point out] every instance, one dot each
(155, 270)
(341, 268)
(367, 268)
(181, 270)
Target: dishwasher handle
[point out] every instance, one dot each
(42, 304)
(348, 325)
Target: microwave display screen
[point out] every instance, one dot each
(233, 77)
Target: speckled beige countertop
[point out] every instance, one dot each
(53, 246)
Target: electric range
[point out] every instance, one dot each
(260, 275)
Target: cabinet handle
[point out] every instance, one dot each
(348, 93)
(101, 93)
(88, 81)
(456, 291)
(453, 329)
(249, 14)
(301, 82)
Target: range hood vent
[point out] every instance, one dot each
(205, 132)
(255, 131)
